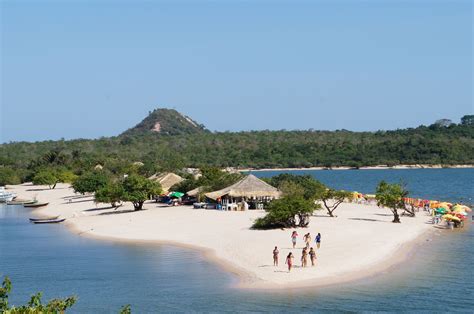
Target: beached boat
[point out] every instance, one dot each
(37, 204)
(6, 196)
(49, 221)
(43, 219)
(21, 202)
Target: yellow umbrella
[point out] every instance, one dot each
(445, 204)
(451, 217)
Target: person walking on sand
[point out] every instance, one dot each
(275, 256)
(318, 240)
(304, 258)
(307, 239)
(294, 236)
(312, 256)
(289, 261)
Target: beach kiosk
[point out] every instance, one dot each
(248, 193)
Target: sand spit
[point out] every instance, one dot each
(360, 242)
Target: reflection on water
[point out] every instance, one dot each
(106, 275)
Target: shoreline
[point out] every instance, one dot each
(232, 246)
(378, 167)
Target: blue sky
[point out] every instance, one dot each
(85, 69)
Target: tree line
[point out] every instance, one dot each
(440, 143)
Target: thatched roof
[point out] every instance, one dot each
(167, 180)
(249, 187)
(196, 191)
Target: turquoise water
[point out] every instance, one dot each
(106, 275)
(454, 185)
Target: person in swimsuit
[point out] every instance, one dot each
(318, 240)
(275, 256)
(312, 256)
(289, 261)
(307, 239)
(304, 258)
(294, 236)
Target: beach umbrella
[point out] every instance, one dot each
(176, 194)
(461, 216)
(441, 210)
(445, 205)
(451, 217)
(456, 207)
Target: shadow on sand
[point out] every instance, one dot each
(99, 208)
(122, 212)
(365, 219)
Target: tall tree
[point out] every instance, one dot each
(467, 120)
(46, 177)
(138, 189)
(111, 193)
(331, 199)
(90, 182)
(391, 196)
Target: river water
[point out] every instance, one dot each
(105, 275)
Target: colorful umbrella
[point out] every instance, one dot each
(451, 217)
(441, 210)
(445, 205)
(176, 194)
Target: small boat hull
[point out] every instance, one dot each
(35, 205)
(21, 202)
(49, 221)
(43, 219)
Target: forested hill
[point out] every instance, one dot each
(166, 122)
(440, 143)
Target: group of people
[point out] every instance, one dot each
(307, 251)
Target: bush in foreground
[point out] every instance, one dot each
(286, 212)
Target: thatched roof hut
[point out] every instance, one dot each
(249, 187)
(166, 180)
(195, 192)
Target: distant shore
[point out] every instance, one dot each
(359, 243)
(379, 167)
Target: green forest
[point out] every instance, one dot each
(443, 142)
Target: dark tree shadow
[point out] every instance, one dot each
(321, 216)
(364, 219)
(386, 215)
(46, 189)
(117, 212)
(82, 201)
(75, 196)
(99, 208)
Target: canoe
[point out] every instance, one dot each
(49, 221)
(21, 202)
(40, 219)
(35, 205)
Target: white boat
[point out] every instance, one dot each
(6, 196)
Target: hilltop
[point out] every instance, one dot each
(166, 122)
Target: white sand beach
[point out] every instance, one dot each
(360, 242)
(378, 167)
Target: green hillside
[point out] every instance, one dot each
(166, 122)
(186, 145)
